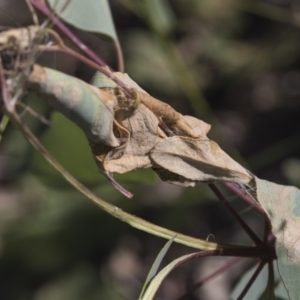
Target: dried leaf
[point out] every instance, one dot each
(197, 160)
(200, 127)
(127, 156)
(175, 146)
(170, 120)
(144, 135)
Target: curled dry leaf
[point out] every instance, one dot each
(87, 106)
(90, 108)
(175, 146)
(144, 135)
(127, 131)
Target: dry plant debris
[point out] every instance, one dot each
(175, 146)
(126, 131)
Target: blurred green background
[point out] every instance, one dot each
(234, 64)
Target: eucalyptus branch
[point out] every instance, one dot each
(103, 69)
(246, 198)
(113, 210)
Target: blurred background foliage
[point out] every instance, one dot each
(236, 65)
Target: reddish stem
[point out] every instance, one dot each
(250, 252)
(267, 230)
(211, 276)
(254, 252)
(40, 6)
(252, 279)
(243, 196)
(243, 224)
(271, 279)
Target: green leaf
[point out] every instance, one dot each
(282, 205)
(156, 265)
(93, 16)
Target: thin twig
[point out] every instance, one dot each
(83, 47)
(116, 211)
(216, 273)
(252, 279)
(267, 230)
(4, 90)
(67, 2)
(243, 196)
(243, 224)
(96, 62)
(33, 13)
(103, 69)
(271, 279)
(35, 114)
(120, 58)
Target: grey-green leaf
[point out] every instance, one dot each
(78, 101)
(93, 16)
(282, 205)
